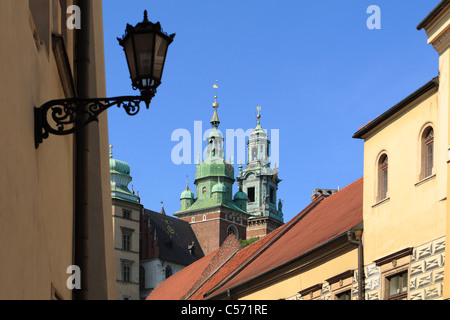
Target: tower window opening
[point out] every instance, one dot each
(272, 195)
(251, 194)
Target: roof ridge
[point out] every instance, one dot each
(230, 243)
(347, 186)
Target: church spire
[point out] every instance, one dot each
(215, 118)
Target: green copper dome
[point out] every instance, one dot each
(240, 195)
(219, 187)
(120, 178)
(187, 194)
(118, 166)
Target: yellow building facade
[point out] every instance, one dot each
(405, 207)
(406, 184)
(37, 187)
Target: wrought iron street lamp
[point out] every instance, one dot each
(145, 47)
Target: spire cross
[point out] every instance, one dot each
(215, 119)
(215, 86)
(258, 108)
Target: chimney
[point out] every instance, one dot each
(326, 192)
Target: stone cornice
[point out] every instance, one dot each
(442, 42)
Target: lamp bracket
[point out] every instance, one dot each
(66, 116)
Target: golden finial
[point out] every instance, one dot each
(215, 104)
(110, 150)
(258, 108)
(215, 118)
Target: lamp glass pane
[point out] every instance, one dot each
(144, 53)
(161, 45)
(129, 53)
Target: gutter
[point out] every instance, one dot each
(356, 239)
(433, 14)
(82, 153)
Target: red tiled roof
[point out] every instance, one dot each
(186, 281)
(330, 218)
(175, 287)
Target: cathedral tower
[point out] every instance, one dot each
(214, 214)
(260, 183)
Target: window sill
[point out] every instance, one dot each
(381, 202)
(425, 180)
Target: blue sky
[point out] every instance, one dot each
(315, 68)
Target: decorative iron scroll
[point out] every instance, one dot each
(66, 116)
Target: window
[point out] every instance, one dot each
(126, 214)
(141, 277)
(346, 295)
(126, 271)
(382, 177)
(232, 230)
(272, 195)
(126, 238)
(126, 241)
(427, 152)
(254, 153)
(397, 286)
(251, 194)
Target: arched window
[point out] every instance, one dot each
(232, 230)
(427, 152)
(382, 177)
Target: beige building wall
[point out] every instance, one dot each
(37, 185)
(129, 257)
(409, 224)
(437, 28)
(288, 285)
(414, 210)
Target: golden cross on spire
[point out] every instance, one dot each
(258, 108)
(215, 86)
